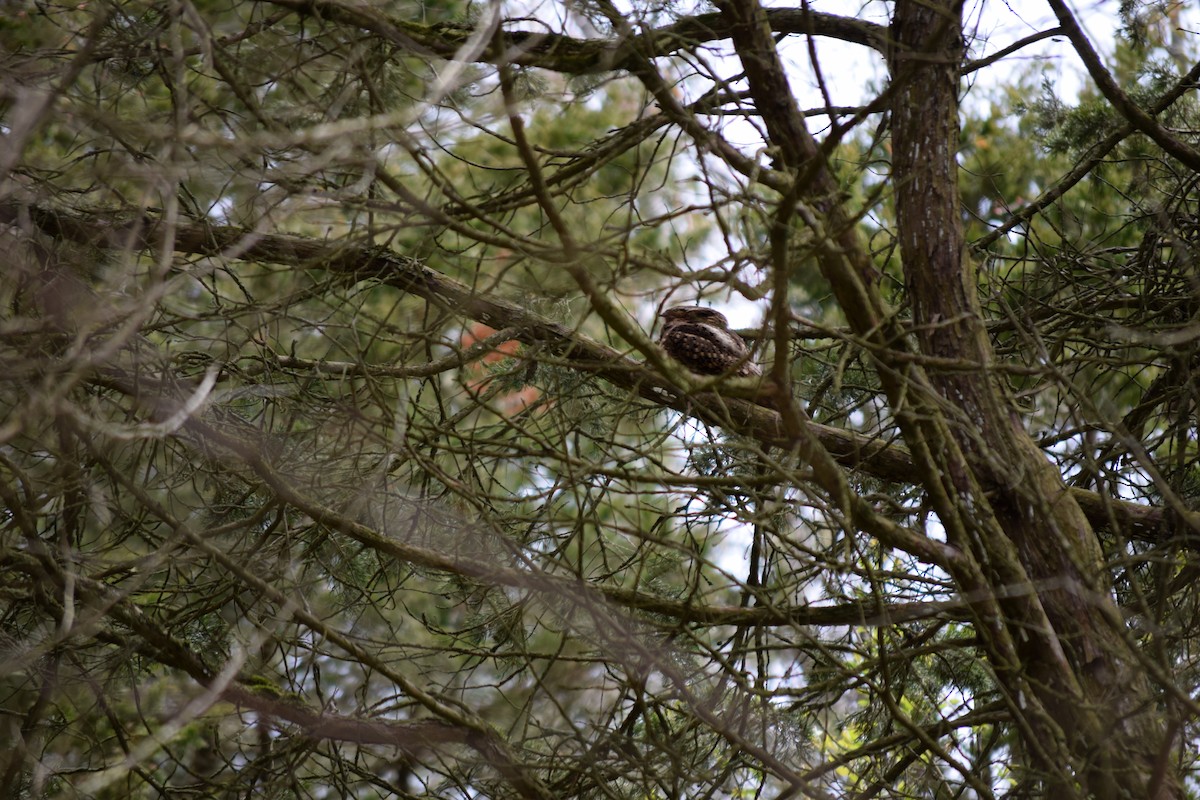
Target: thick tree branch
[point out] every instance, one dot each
(886, 460)
(574, 56)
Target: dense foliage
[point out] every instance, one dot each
(338, 459)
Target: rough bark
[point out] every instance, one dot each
(1019, 520)
(1030, 562)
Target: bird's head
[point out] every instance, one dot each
(694, 314)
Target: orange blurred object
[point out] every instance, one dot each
(509, 403)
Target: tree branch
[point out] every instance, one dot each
(883, 459)
(574, 56)
(1137, 116)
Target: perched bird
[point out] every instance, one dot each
(700, 339)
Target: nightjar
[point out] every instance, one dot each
(700, 339)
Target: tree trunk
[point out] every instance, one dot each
(1030, 564)
(1014, 515)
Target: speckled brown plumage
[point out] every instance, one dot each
(700, 339)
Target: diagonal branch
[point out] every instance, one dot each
(871, 455)
(1122, 102)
